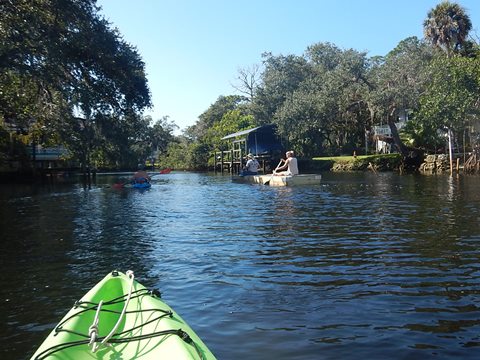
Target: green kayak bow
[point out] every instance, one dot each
(120, 319)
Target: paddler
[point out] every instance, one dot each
(290, 165)
(140, 176)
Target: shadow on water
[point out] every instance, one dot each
(362, 265)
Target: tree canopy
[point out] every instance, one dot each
(68, 77)
(447, 26)
(66, 71)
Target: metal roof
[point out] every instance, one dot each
(240, 133)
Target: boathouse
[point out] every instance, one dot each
(261, 141)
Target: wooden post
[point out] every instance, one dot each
(240, 161)
(458, 165)
(34, 157)
(214, 162)
(221, 156)
(450, 151)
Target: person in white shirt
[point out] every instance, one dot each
(251, 167)
(290, 166)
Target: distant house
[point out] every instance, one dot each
(260, 141)
(41, 157)
(49, 157)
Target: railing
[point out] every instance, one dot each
(49, 153)
(385, 129)
(232, 161)
(228, 160)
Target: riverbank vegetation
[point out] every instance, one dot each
(68, 78)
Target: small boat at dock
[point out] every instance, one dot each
(289, 180)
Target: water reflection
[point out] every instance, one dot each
(362, 265)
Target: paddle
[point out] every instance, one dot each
(120, 185)
(163, 172)
(273, 173)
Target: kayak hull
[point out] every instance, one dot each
(149, 330)
(145, 185)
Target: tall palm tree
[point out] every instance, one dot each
(447, 26)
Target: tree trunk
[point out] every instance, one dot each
(396, 137)
(411, 158)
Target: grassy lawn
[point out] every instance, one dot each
(359, 162)
(358, 157)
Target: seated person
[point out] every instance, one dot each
(290, 166)
(251, 167)
(141, 175)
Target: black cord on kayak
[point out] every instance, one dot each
(184, 336)
(155, 293)
(59, 328)
(119, 299)
(179, 332)
(93, 306)
(59, 347)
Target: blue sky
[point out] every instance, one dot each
(194, 48)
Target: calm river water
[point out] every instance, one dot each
(362, 266)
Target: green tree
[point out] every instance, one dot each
(281, 77)
(65, 70)
(162, 134)
(214, 114)
(231, 122)
(186, 154)
(228, 114)
(446, 27)
(451, 101)
(324, 112)
(397, 81)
